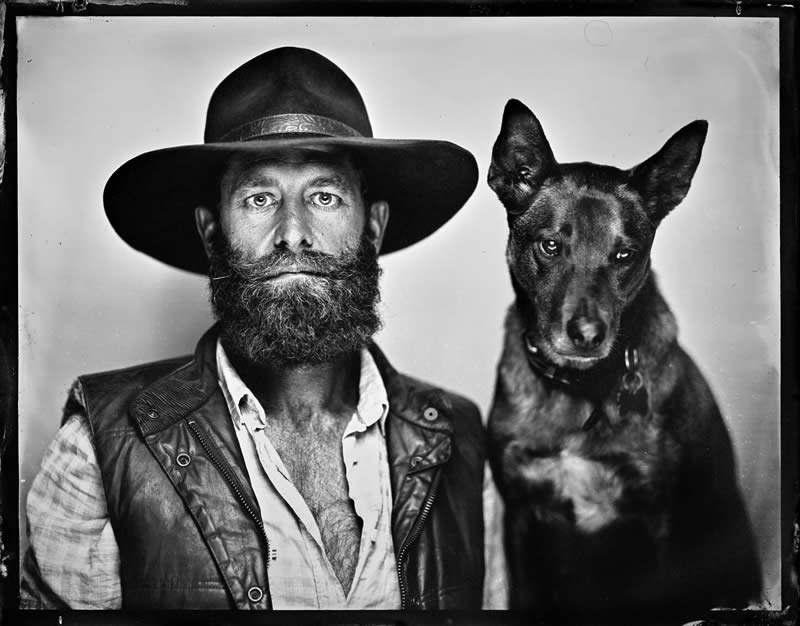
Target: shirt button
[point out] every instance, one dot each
(255, 594)
(153, 415)
(183, 459)
(430, 414)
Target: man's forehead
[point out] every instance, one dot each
(242, 168)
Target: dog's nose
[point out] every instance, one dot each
(585, 332)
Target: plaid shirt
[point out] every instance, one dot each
(73, 559)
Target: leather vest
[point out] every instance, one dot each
(187, 521)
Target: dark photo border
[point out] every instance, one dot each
(790, 310)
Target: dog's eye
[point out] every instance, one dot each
(550, 247)
(624, 255)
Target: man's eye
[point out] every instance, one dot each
(325, 199)
(259, 201)
(550, 247)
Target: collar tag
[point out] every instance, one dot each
(632, 396)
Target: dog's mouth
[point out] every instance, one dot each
(580, 362)
(560, 352)
(574, 361)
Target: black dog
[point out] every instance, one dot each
(613, 460)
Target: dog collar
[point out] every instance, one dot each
(632, 394)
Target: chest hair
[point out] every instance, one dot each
(313, 457)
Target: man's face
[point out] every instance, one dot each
(293, 259)
(296, 203)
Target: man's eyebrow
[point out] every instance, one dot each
(333, 180)
(254, 179)
(257, 179)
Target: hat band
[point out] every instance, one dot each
(289, 123)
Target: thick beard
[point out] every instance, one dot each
(308, 320)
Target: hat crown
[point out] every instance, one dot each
(286, 91)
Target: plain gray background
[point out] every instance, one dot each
(94, 92)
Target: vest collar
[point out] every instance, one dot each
(181, 392)
(189, 387)
(419, 438)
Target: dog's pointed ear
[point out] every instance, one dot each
(663, 180)
(521, 158)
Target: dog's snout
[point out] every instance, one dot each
(586, 333)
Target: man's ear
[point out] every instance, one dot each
(663, 180)
(377, 219)
(521, 158)
(207, 226)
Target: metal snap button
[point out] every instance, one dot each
(430, 413)
(255, 594)
(183, 459)
(416, 461)
(152, 414)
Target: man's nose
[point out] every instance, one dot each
(293, 229)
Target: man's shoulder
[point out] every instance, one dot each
(412, 395)
(449, 400)
(111, 392)
(134, 375)
(431, 401)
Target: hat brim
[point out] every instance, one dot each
(150, 200)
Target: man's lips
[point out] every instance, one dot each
(292, 271)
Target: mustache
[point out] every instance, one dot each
(285, 261)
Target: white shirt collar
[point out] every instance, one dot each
(373, 402)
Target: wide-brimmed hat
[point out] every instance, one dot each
(287, 98)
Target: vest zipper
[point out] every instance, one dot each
(415, 532)
(236, 487)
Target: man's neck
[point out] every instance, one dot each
(292, 391)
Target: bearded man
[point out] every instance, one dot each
(286, 464)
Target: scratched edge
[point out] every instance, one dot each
(789, 98)
(8, 357)
(8, 304)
